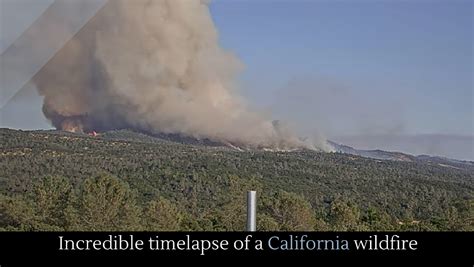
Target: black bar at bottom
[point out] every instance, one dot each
(53, 245)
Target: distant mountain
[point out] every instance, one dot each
(398, 156)
(130, 135)
(452, 146)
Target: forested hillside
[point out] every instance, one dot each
(123, 180)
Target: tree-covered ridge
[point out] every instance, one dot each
(54, 180)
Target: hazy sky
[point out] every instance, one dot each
(16, 16)
(376, 66)
(339, 68)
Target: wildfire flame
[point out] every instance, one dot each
(72, 126)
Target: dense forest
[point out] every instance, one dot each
(121, 180)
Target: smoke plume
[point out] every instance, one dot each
(155, 66)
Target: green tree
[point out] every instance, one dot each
(230, 215)
(292, 212)
(377, 220)
(45, 209)
(162, 215)
(266, 223)
(107, 203)
(345, 216)
(53, 200)
(17, 213)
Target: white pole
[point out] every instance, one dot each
(251, 211)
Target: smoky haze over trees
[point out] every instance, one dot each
(347, 116)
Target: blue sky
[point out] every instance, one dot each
(414, 57)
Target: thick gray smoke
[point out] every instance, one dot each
(156, 66)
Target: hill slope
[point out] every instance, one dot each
(203, 180)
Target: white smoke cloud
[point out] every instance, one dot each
(155, 66)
